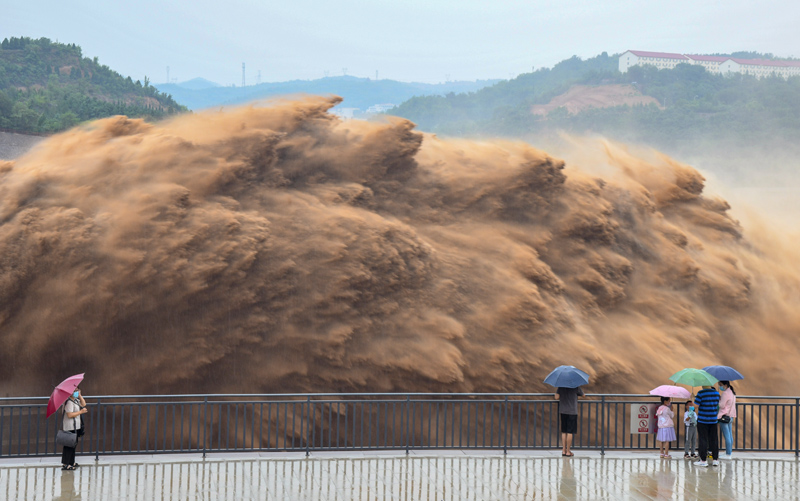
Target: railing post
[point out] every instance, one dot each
(603, 425)
(505, 425)
(796, 428)
(205, 426)
(408, 418)
(308, 417)
(97, 433)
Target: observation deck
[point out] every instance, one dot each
(385, 446)
(421, 475)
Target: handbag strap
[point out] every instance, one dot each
(64, 413)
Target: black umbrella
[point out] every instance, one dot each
(567, 376)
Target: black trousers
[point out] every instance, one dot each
(707, 440)
(68, 456)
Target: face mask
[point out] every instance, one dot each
(76, 394)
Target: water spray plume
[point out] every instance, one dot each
(277, 248)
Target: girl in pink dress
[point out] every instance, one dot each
(666, 426)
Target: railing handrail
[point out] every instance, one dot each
(150, 424)
(396, 394)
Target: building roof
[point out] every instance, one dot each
(669, 55)
(717, 59)
(713, 59)
(763, 62)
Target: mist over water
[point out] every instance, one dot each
(278, 249)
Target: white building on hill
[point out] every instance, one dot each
(660, 60)
(710, 63)
(714, 64)
(760, 67)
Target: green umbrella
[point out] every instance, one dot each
(694, 377)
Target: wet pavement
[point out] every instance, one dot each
(422, 475)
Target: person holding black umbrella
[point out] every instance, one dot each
(568, 381)
(568, 410)
(726, 413)
(727, 402)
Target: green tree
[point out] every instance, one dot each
(37, 98)
(6, 105)
(22, 117)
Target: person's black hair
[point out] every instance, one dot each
(664, 399)
(689, 402)
(728, 385)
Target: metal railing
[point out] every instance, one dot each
(148, 424)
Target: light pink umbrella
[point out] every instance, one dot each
(671, 391)
(62, 392)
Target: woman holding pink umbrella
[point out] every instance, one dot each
(68, 395)
(74, 407)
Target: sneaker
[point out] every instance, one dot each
(726, 456)
(715, 463)
(701, 463)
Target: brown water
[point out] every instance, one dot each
(275, 249)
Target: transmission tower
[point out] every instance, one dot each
(258, 79)
(242, 74)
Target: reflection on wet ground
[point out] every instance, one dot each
(450, 475)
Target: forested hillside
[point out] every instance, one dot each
(695, 105)
(47, 87)
(471, 112)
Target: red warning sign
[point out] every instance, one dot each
(643, 418)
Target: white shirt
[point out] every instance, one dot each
(71, 424)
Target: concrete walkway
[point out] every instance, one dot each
(427, 475)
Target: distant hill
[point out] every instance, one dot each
(692, 108)
(468, 113)
(665, 108)
(47, 87)
(357, 92)
(195, 84)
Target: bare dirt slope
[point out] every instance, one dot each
(581, 97)
(13, 145)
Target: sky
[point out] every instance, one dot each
(407, 40)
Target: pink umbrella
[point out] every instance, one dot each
(62, 392)
(671, 391)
